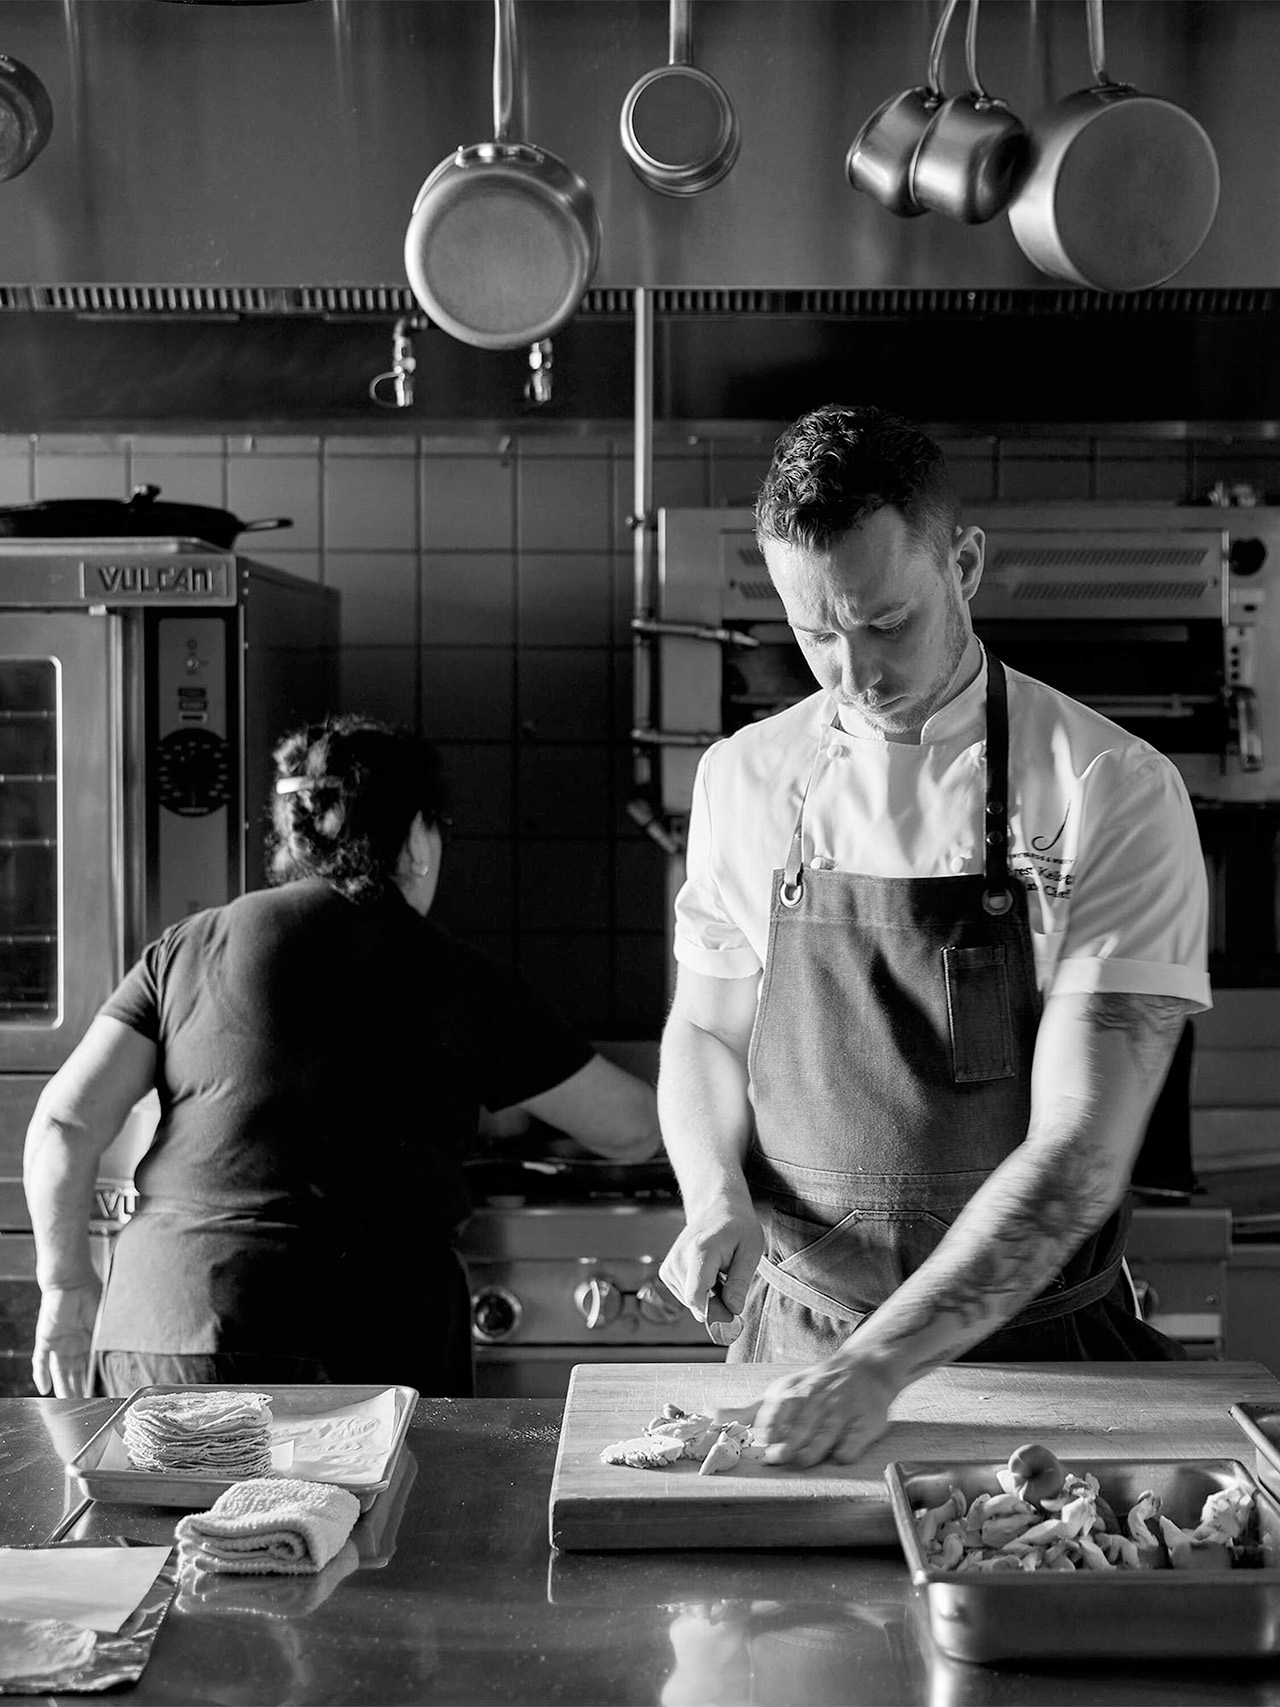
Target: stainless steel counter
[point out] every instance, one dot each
(457, 1600)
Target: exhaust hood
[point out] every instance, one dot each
(233, 158)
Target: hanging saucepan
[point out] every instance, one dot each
(504, 237)
(880, 156)
(973, 156)
(26, 116)
(1122, 188)
(138, 517)
(679, 128)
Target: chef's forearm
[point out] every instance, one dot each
(1097, 1073)
(59, 1175)
(704, 1112)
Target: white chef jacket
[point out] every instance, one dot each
(1102, 834)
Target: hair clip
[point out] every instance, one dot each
(296, 784)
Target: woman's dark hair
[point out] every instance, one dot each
(347, 791)
(837, 465)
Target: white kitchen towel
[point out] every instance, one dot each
(272, 1524)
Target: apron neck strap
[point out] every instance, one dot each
(997, 897)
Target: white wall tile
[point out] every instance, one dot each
(565, 503)
(380, 681)
(565, 599)
(467, 693)
(467, 503)
(379, 595)
(261, 486)
(371, 501)
(468, 598)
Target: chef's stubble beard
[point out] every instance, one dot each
(918, 709)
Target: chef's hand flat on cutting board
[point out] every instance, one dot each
(835, 1409)
(711, 1263)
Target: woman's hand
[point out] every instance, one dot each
(834, 1409)
(64, 1332)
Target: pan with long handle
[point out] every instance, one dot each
(504, 237)
(679, 128)
(1122, 188)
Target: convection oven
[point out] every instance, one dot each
(143, 683)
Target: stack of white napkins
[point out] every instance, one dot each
(272, 1524)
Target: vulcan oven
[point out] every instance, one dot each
(143, 683)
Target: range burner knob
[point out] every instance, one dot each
(495, 1313)
(598, 1300)
(657, 1304)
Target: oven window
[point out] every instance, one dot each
(28, 840)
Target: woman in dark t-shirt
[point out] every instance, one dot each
(321, 1052)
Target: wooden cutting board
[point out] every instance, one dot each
(1082, 1411)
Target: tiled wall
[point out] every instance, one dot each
(486, 590)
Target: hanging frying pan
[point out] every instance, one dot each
(26, 116)
(679, 128)
(504, 237)
(1122, 187)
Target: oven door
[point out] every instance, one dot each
(59, 816)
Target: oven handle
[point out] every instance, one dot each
(694, 631)
(1244, 705)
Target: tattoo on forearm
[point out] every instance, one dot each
(1026, 1240)
(1151, 1023)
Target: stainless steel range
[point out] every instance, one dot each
(568, 1273)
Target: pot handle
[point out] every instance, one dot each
(267, 522)
(936, 46)
(1098, 47)
(680, 33)
(504, 67)
(971, 52)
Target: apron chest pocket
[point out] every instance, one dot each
(978, 1013)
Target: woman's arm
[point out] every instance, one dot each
(606, 1109)
(80, 1111)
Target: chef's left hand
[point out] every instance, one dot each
(834, 1409)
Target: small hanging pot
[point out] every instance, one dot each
(679, 127)
(26, 116)
(1122, 188)
(881, 154)
(504, 237)
(974, 154)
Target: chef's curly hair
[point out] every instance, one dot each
(837, 465)
(346, 792)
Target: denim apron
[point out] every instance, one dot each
(891, 1074)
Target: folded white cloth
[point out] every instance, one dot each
(272, 1524)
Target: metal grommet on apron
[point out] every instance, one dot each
(890, 1074)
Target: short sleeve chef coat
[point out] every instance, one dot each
(1102, 834)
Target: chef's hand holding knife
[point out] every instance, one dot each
(834, 1409)
(711, 1263)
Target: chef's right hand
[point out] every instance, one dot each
(716, 1252)
(64, 1333)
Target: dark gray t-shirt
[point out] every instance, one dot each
(320, 1069)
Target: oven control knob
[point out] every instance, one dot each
(496, 1313)
(657, 1304)
(598, 1300)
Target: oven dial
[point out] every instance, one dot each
(496, 1313)
(599, 1301)
(657, 1304)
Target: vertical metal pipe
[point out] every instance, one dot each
(643, 535)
